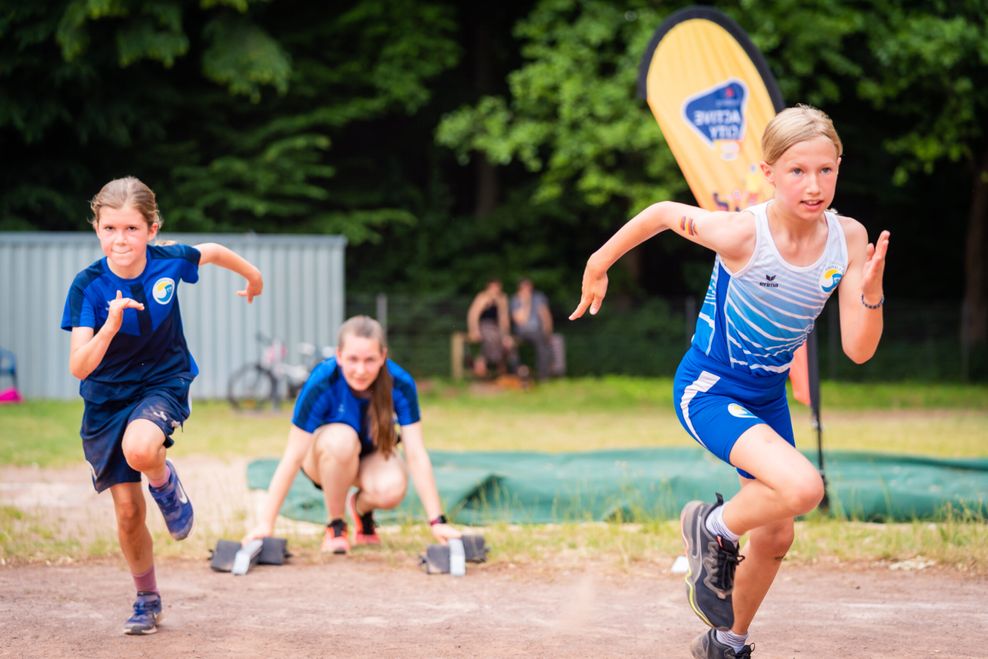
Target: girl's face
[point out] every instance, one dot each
(361, 360)
(123, 235)
(805, 177)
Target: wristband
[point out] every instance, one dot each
(873, 306)
(439, 520)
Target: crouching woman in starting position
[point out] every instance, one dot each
(343, 434)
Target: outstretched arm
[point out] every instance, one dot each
(861, 293)
(299, 442)
(729, 234)
(420, 467)
(227, 258)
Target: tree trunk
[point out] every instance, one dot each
(486, 183)
(974, 315)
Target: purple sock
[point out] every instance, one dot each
(164, 481)
(146, 582)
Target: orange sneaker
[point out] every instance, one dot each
(335, 542)
(365, 531)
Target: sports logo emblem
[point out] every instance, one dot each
(718, 114)
(736, 410)
(163, 290)
(830, 278)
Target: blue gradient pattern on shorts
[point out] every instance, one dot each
(755, 319)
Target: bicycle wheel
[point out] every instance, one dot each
(251, 388)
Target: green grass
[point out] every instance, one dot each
(582, 414)
(569, 415)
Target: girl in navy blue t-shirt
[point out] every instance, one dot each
(129, 352)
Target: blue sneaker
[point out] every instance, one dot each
(174, 504)
(147, 615)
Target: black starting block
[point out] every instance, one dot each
(446, 559)
(233, 557)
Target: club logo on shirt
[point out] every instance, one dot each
(736, 410)
(163, 290)
(830, 278)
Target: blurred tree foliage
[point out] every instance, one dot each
(451, 141)
(228, 109)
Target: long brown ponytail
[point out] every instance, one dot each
(380, 413)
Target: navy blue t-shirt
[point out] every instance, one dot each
(150, 347)
(327, 398)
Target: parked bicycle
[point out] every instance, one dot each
(254, 386)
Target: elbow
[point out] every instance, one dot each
(77, 371)
(859, 356)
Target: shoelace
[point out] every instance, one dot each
(338, 528)
(745, 652)
(169, 495)
(143, 607)
(722, 564)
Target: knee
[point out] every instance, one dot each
(130, 516)
(387, 492)
(338, 444)
(806, 494)
(774, 542)
(141, 455)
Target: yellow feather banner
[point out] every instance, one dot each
(712, 94)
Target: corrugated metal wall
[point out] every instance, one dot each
(303, 300)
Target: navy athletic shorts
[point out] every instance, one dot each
(103, 426)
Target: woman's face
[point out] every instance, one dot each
(361, 360)
(123, 236)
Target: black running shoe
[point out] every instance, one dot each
(706, 646)
(712, 561)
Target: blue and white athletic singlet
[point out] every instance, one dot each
(754, 319)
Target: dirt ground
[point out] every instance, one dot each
(366, 605)
(357, 607)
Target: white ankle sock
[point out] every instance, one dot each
(736, 641)
(715, 524)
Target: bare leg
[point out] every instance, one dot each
(766, 547)
(788, 484)
(333, 463)
(144, 448)
(382, 482)
(135, 539)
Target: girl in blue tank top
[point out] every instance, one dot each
(775, 266)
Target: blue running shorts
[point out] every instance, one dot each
(717, 405)
(103, 427)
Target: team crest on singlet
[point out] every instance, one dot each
(163, 290)
(830, 277)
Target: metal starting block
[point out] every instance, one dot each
(450, 558)
(229, 556)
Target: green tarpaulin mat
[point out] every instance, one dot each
(479, 488)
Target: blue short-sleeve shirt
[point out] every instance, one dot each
(150, 347)
(327, 398)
